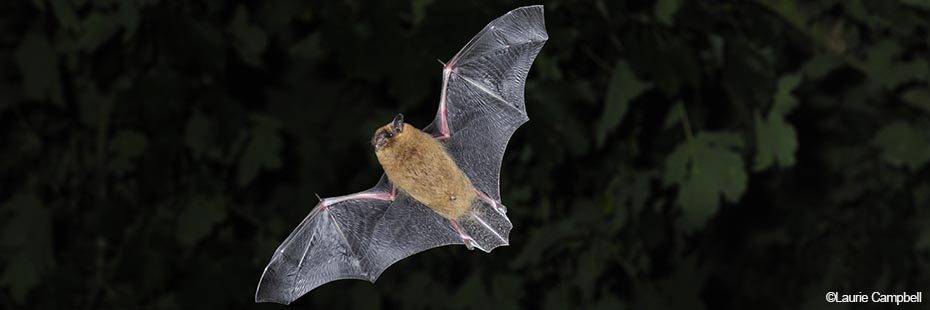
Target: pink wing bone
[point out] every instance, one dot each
(444, 126)
(447, 71)
(363, 195)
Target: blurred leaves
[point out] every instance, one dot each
(199, 218)
(888, 71)
(262, 151)
(126, 146)
(156, 153)
(903, 144)
(622, 88)
(918, 98)
(665, 10)
(776, 140)
(27, 243)
(249, 39)
(704, 169)
(38, 65)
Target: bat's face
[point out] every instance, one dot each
(386, 135)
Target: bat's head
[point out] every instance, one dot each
(387, 134)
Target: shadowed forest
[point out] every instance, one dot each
(679, 154)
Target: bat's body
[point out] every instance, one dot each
(441, 184)
(416, 163)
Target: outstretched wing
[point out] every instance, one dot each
(356, 236)
(481, 102)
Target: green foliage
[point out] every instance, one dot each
(198, 219)
(125, 147)
(776, 140)
(263, 149)
(680, 154)
(26, 236)
(622, 88)
(38, 65)
(665, 10)
(705, 168)
(903, 144)
(249, 40)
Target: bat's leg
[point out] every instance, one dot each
(497, 206)
(469, 242)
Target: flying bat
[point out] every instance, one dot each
(440, 184)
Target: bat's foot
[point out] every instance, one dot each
(468, 240)
(485, 226)
(500, 208)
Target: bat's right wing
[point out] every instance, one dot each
(481, 103)
(356, 236)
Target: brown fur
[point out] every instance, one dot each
(417, 164)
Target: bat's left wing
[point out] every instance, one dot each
(481, 102)
(355, 236)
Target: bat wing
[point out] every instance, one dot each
(481, 102)
(358, 236)
(355, 236)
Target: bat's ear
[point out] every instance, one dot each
(398, 123)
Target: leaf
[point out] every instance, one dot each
(921, 4)
(263, 150)
(902, 144)
(704, 169)
(665, 10)
(250, 40)
(418, 10)
(820, 65)
(126, 147)
(128, 16)
(307, 49)
(96, 29)
(591, 266)
(790, 11)
(784, 101)
(26, 243)
(198, 134)
(679, 290)
(921, 194)
(199, 218)
(38, 65)
(885, 69)
(776, 140)
(673, 117)
(918, 98)
(622, 88)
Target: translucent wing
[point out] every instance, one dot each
(481, 102)
(356, 236)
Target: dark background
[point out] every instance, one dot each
(680, 154)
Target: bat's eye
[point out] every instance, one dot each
(389, 134)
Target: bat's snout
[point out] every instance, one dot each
(381, 138)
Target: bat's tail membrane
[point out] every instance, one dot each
(487, 224)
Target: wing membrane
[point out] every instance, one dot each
(482, 100)
(356, 236)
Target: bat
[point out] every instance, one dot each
(440, 185)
